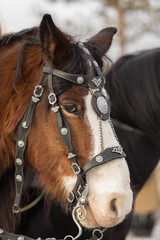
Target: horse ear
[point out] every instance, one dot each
(103, 39)
(56, 46)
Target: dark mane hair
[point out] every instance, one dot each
(18, 36)
(133, 77)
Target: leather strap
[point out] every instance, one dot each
(74, 78)
(21, 142)
(106, 156)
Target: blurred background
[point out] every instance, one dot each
(138, 22)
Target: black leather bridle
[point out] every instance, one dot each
(78, 197)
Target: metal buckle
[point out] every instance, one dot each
(71, 197)
(76, 168)
(79, 192)
(38, 91)
(52, 98)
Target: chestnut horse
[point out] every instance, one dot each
(56, 132)
(133, 84)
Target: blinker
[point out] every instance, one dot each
(100, 105)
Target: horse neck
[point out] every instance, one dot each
(134, 89)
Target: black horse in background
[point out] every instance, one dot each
(134, 81)
(133, 84)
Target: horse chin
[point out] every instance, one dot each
(92, 222)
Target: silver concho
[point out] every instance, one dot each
(102, 104)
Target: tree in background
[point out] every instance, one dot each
(133, 19)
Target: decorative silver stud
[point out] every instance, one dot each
(71, 155)
(24, 125)
(80, 79)
(99, 159)
(20, 238)
(19, 178)
(20, 143)
(64, 131)
(83, 201)
(118, 150)
(1, 231)
(55, 109)
(18, 161)
(102, 105)
(35, 99)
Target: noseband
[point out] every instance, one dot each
(78, 197)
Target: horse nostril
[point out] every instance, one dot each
(113, 205)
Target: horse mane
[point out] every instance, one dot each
(25, 34)
(134, 83)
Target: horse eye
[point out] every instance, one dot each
(71, 108)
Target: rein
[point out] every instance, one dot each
(77, 199)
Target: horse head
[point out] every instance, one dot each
(70, 135)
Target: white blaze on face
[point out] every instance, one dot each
(110, 196)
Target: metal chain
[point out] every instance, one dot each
(113, 130)
(101, 135)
